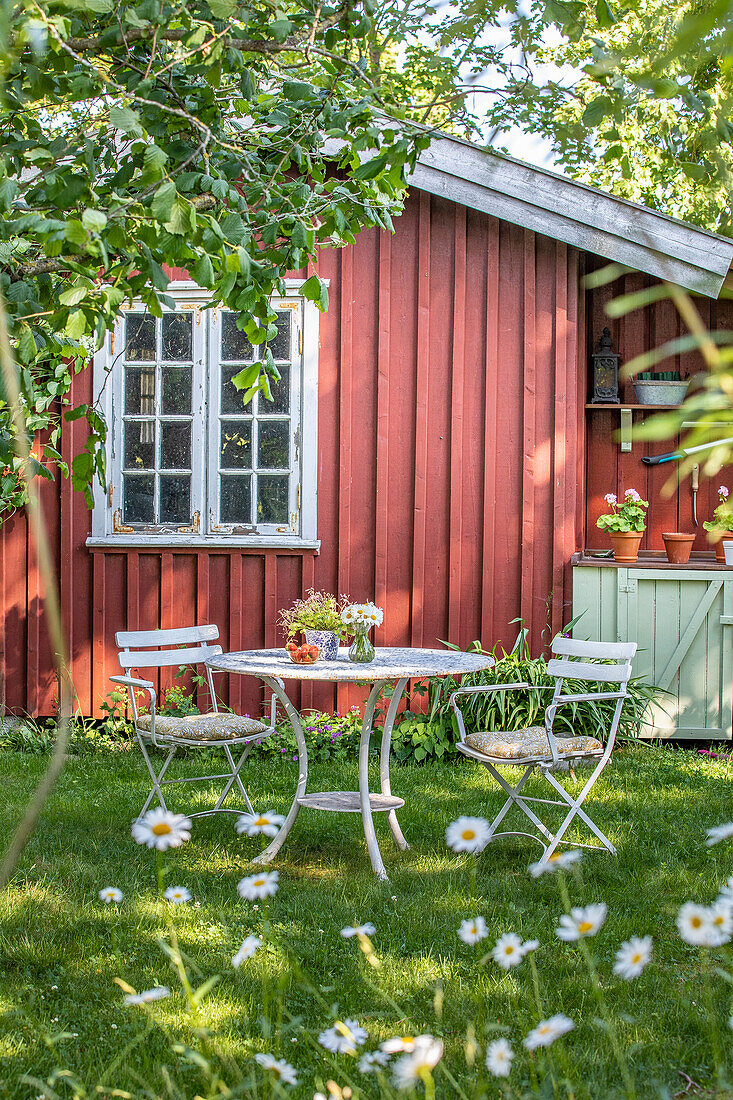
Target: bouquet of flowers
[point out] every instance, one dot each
(627, 516)
(359, 617)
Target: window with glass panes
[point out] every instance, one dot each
(187, 456)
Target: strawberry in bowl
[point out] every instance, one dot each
(303, 654)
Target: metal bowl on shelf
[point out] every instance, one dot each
(653, 391)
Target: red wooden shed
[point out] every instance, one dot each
(430, 446)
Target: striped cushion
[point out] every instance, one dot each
(203, 727)
(529, 742)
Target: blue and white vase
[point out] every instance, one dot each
(326, 640)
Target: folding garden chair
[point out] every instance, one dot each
(143, 649)
(546, 749)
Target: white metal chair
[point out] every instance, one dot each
(142, 649)
(543, 749)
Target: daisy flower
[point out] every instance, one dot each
(499, 1055)
(161, 829)
(367, 929)
(343, 1038)
(246, 951)
(398, 1044)
(547, 1031)
(148, 995)
(558, 861)
(267, 824)
(721, 920)
(468, 834)
(179, 895)
(718, 833)
(695, 926)
(632, 956)
(371, 1062)
(262, 885)
(111, 893)
(473, 931)
(725, 897)
(421, 1061)
(581, 922)
(509, 950)
(282, 1070)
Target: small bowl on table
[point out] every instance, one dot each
(303, 654)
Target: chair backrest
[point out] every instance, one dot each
(574, 661)
(140, 648)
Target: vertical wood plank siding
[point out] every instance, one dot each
(610, 471)
(450, 452)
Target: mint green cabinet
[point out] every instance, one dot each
(682, 620)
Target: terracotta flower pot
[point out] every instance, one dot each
(626, 545)
(719, 552)
(678, 546)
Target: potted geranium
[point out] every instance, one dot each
(318, 616)
(721, 525)
(625, 523)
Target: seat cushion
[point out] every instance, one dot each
(203, 727)
(529, 742)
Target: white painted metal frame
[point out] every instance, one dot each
(108, 390)
(574, 663)
(139, 650)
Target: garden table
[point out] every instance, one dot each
(390, 665)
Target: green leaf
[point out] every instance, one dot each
(182, 217)
(246, 377)
(371, 168)
(127, 120)
(203, 271)
(94, 220)
(154, 158)
(222, 9)
(76, 324)
(605, 14)
(316, 291)
(73, 295)
(163, 199)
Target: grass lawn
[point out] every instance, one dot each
(61, 949)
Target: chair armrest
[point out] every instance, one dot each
(144, 685)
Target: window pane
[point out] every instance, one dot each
(236, 499)
(139, 337)
(140, 391)
(236, 444)
(234, 344)
(273, 446)
(272, 499)
(231, 397)
(280, 391)
(139, 444)
(280, 344)
(177, 336)
(138, 498)
(175, 445)
(175, 498)
(176, 397)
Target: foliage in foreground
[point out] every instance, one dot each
(65, 1026)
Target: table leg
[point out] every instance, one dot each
(277, 841)
(384, 760)
(366, 810)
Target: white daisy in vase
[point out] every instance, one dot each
(179, 895)
(344, 1037)
(467, 834)
(111, 895)
(473, 931)
(264, 884)
(281, 1070)
(415, 1066)
(161, 829)
(267, 824)
(582, 922)
(547, 1031)
(249, 945)
(632, 956)
(499, 1055)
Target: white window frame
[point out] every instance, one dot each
(108, 528)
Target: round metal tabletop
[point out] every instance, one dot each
(388, 664)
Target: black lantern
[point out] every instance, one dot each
(605, 372)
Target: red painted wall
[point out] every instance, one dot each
(450, 471)
(608, 470)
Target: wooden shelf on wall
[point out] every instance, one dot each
(631, 405)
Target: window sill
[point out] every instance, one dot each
(201, 542)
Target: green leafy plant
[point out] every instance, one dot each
(723, 515)
(630, 515)
(328, 736)
(318, 611)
